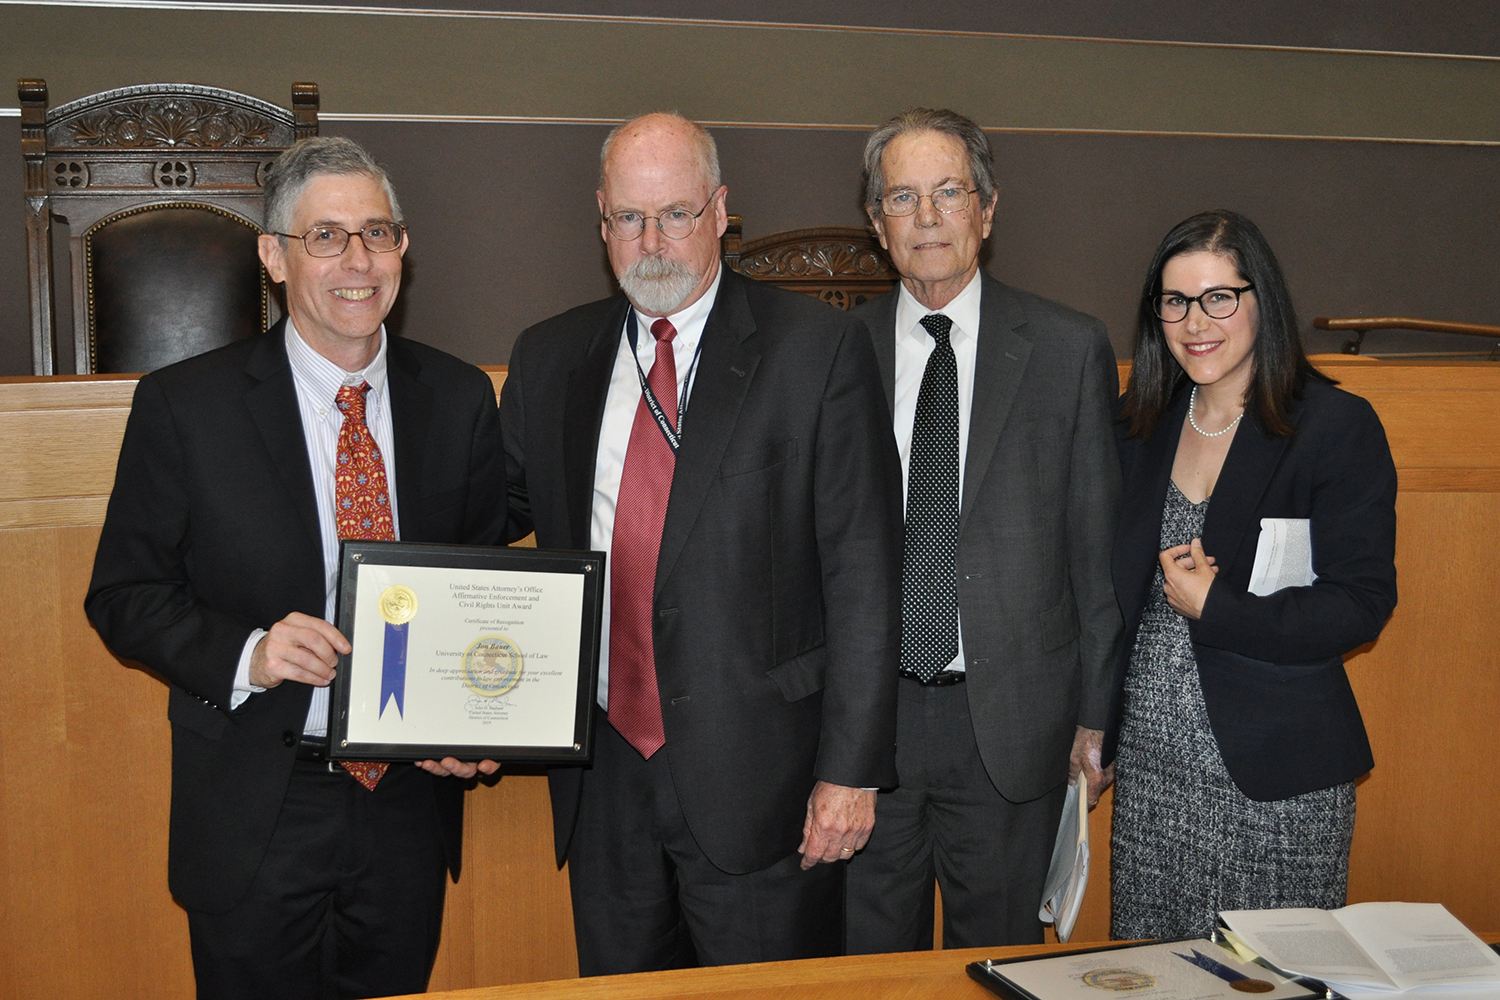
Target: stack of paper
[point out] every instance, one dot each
(1283, 556)
(1374, 950)
(1068, 876)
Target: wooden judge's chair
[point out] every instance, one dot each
(842, 265)
(143, 205)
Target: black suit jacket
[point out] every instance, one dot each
(777, 593)
(1272, 668)
(1041, 628)
(212, 532)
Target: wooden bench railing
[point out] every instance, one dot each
(1359, 326)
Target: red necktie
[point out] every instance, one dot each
(362, 508)
(640, 512)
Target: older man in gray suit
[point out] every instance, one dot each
(1001, 403)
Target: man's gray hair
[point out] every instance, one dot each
(703, 143)
(309, 158)
(943, 122)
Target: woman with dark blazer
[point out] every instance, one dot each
(1235, 733)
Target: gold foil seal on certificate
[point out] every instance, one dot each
(398, 604)
(492, 665)
(1119, 980)
(1252, 986)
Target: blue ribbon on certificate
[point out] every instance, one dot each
(1209, 965)
(393, 670)
(398, 606)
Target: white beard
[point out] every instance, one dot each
(658, 285)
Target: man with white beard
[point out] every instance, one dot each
(727, 444)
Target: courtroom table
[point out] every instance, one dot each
(912, 975)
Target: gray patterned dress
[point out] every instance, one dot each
(1187, 843)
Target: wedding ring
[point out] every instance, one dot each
(846, 850)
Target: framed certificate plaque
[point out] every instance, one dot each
(467, 651)
(1195, 969)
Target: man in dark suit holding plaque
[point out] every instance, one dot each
(727, 444)
(240, 472)
(1001, 403)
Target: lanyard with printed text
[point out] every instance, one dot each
(673, 437)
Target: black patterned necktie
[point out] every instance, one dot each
(929, 575)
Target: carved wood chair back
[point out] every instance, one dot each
(842, 265)
(142, 209)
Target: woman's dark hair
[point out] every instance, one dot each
(1278, 368)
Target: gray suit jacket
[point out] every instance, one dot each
(1041, 495)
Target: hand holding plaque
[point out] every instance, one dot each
(298, 648)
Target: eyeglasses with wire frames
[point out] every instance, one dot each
(674, 223)
(330, 241)
(905, 201)
(1216, 303)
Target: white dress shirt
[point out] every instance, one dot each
(913, 346)
(619, 414)
(318, 382)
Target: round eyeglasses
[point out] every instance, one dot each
(905, 201)
(1216, 303)
(674, 223)
(330, 241)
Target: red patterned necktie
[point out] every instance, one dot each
(362, 508)
(640, 512)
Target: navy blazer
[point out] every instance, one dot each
(212, 531)
(1272, 668)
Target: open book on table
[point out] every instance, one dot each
(1372, 949)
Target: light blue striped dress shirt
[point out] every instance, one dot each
(318, 381)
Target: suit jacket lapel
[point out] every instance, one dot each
(725, 370)
(1246, 474)
(411, 413)
(583, 415)
(883, 332)
(999, 362)
(272, 402)
(1141, 504)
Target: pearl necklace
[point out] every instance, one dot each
(1193, 405)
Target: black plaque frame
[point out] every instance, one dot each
(589, 565)
(989, 975)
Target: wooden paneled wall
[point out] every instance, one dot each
(84, 752)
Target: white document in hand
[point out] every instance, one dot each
(1378, 946)
(1283, 557)
(1068, 875)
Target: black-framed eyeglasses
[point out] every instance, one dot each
(905, 201)
(675, 223)
(1216, 303)
(330, 241)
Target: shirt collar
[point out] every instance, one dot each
(689, 322)
(963, 311)
(323, 379)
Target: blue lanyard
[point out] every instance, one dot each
(673, 437)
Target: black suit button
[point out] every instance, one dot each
(289, 738)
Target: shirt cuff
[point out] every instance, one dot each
(243, 689)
